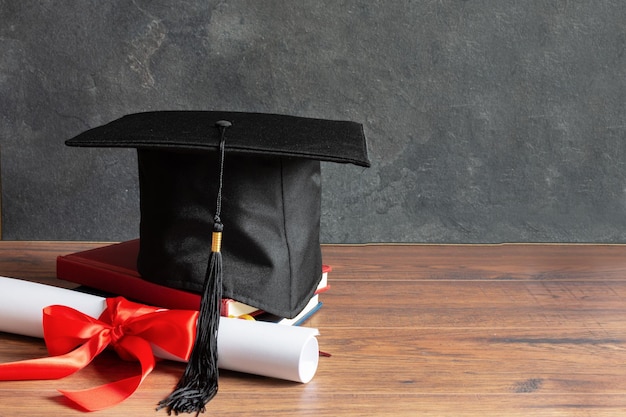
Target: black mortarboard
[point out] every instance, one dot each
(262, 171)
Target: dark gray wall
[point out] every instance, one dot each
(487, 120)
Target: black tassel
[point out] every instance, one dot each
(199, 385)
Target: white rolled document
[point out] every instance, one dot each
(259, 348)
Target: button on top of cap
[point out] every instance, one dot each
(223, 123)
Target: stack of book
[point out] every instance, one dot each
(112, 269)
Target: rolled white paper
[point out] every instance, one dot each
(258, 348)
(22, 303)
(245, 346)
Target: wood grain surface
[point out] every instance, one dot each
(413, 330)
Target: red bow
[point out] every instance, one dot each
(74, 339)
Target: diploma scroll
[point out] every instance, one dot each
(260, 348)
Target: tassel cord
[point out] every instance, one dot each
(199, 382)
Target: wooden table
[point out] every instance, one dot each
(414, 330)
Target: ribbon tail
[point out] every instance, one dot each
(54, 367)
(104, 396)
(108, 395)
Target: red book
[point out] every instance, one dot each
(113, 269)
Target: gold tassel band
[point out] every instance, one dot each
(216, 243)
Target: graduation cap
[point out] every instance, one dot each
(261, 173)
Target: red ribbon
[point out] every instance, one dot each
(74, 339)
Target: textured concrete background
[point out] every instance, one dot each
(487, 120)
